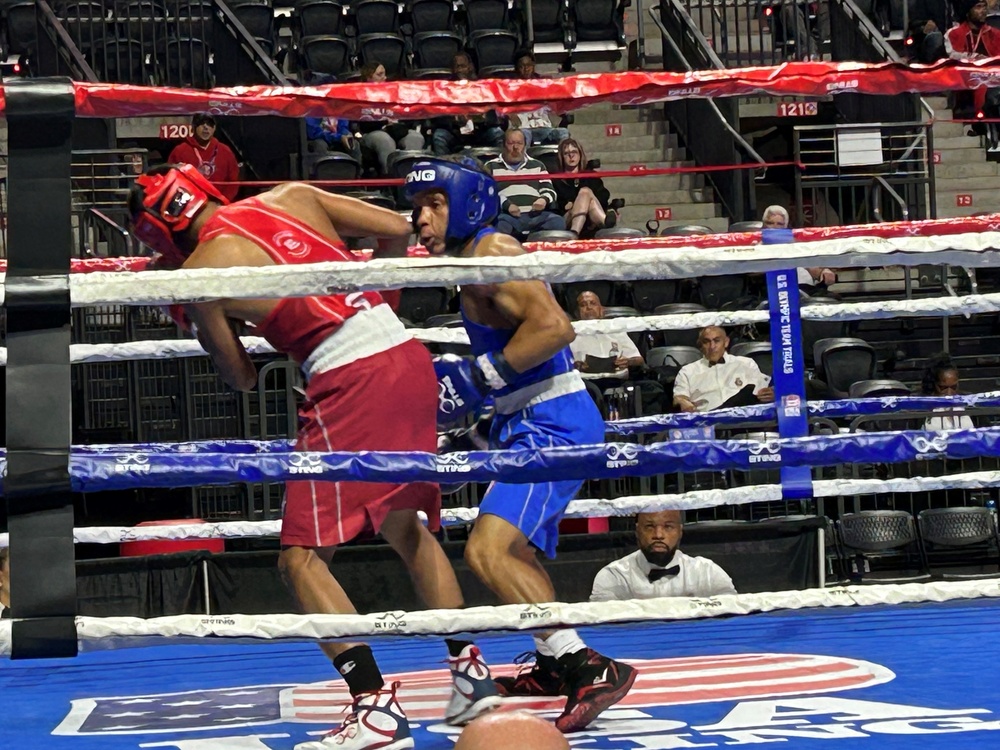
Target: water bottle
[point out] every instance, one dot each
(614, 350)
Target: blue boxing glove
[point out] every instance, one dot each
(464, 383)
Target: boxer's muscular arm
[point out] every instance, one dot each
(351, 217)
(215, 329)
(216, 335)
(542, 326)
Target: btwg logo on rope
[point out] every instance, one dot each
(390, 621)
(765, 452)
(536, 612)
(928, 449)
(621, 455)
(132, 463)
(305, 463)
(453, 463)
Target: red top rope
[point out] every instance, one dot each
(415, 99)
(930, 227)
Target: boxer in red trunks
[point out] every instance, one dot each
(370, 386)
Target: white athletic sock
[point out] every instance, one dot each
(564, 642)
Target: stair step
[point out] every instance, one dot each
(600, 115)
(958, 142)
(650, 187)
(650, 157)
(680, 213)
(965, 169)
(955, 185)
(590, 132)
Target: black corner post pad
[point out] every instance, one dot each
(37, 486)
(43, 638)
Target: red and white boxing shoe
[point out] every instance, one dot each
(472, 692)
(376, 722)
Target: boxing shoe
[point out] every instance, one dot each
(472, 691)
(591, 687)
(545, 678)
(376, 722)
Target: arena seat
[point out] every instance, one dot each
(185, 63)
(758, 351)
(435, 49)
(883, 535)
(843, 361)
(121, 61)
(493, 48)
(19, 28)
(746, 226)
(599, 20)
(336, 166)
(329, 55)
(717, 291)
(487, 15)
(385, 48)
(318, 18)
(878, 388)
(672, 356)
(375, 16)
(431, 15)
(648, 294)
(971, 529)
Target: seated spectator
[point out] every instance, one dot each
(617, 347)
(719, 379)
(450, 134)
(326, 134)
(4, 583)
(941, 379)
(658, 568)
(584, 200)
(537, 125)
(385, 136)
(524, 206)
(811, 280)
(608, 359)
(973, 39)
(209, 156)
(928, 22)
(513, 729)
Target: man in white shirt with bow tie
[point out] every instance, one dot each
(720, 379)
(658, 568)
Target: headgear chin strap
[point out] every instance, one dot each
(171, 200)
(473, 198)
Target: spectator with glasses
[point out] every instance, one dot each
(583, 200)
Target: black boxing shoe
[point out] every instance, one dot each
(545, 678)
(593, 686)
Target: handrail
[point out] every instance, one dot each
(879, 182)
(104, 226)
(263, 62)
(66, 44)
(692, 29)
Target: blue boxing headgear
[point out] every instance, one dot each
(473, 198)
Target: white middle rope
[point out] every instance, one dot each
(931, 306)
(594, 508)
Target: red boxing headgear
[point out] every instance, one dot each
(170, 202)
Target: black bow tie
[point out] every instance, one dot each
(657, 573)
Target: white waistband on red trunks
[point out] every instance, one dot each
(364, 334)
(536, 393)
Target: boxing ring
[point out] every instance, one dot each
(909, 665)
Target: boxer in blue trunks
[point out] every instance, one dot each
(520, 341)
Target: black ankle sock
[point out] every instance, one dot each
(573, 660)
(357, 666)
(455, 647)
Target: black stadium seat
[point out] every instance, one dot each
(435, 49)
(318, 18)
(432, 15)
(329, 55)
(387, 49)
(493, 48)
(598, 20)
(376, 16)
(487, 15)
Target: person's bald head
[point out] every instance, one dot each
(511, 729)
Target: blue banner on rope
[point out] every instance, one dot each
(789, 369)
(92, 472)
(830, 409)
